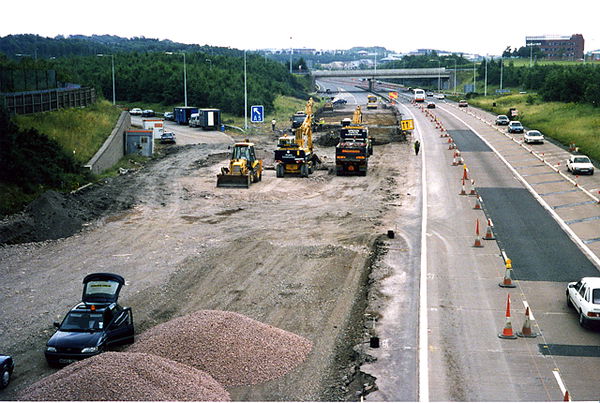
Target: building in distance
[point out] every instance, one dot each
(558, 47)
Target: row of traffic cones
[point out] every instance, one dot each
(507, 330)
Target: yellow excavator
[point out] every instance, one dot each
(244, 168)
(294, 155)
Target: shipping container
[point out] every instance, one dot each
(207, 119)
(184, 113)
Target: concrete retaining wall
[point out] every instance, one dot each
(113, 148)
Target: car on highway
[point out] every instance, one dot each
(584, 296)
(135, 111)
(429, 94)
(169, 116)
(147, 113)
(580, 164)
(94, 325)
(533, 136)
(502, 120)
(167, 138)
(7, 366)
(430, 105)
(462, 103)
(340, 101)
(439, 96)
(515, 127)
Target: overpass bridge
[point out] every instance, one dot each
(429, 73)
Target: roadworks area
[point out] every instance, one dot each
(299, 255)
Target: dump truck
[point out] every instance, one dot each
(354, 148)
(294, 154)
(244, 168)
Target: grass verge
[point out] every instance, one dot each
(565, 122)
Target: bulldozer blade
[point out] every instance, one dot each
(232, 181)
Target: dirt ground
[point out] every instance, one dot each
(292, 252)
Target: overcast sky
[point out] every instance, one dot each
(470, 26)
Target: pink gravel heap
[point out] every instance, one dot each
(127, 376)
(232, 348)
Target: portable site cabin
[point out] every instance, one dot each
(139, 142)
(156, 125)
(182, 114)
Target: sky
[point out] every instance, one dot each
(471, 26)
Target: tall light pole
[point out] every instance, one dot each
(485, 79)
(113, 75)
(246, 93)
(439, 74)
(291, 53)
(184, 76)
(501, 67)
(474, 78)
(454, 76)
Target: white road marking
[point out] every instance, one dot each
(423, 320)
(561, 385)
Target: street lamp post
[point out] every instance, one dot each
(474, 76)
(501, 67)
(291, 54)
(455, 76)
(113, 75)
(485, 79)
(184, 76)
(439, 74)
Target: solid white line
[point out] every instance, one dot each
(423, 323)
(561, 385)
(591, 255)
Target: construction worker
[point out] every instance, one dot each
(273, 122)
(417, 147)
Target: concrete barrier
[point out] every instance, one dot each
(113, 148)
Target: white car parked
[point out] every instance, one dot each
(584, 296)
(533, 136)
(580, 164)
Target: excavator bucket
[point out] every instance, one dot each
(233, 181)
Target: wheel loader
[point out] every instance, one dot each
(244, 168)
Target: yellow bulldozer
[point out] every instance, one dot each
(244, 168)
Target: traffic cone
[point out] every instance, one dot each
(463, 192)
(449, 140)
(477, 203)
(489, 234)
(454, 162)
(465, 173)
(507, 332)
(526, 330)
(566, 397)
(507, 280)
(477, 243)
(473, 192)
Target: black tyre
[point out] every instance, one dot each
(260, 176)
(304, 171)
(569, 303)
(4, 378)
(279, 170)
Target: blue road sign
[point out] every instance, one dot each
(257, 114)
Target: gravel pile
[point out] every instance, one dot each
(129, 377)
(232, 348)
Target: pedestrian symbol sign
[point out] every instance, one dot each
(257, 114)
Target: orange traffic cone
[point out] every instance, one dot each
(489, 234)
(465, 173)
(473, 192)
(463, 192)
(507, 280)
(566, 398)
(526, 330)
(507, 332)
(477, 243)
(477, 203)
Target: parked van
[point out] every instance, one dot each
(419, 95)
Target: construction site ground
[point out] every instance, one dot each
(296, 253)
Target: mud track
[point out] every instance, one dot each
(294, 253)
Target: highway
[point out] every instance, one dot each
(545, 224)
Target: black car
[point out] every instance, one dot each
(167, 138)
(430, 105)
(340, 101)
(94, 325)
(148, 113)
(7, 366)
